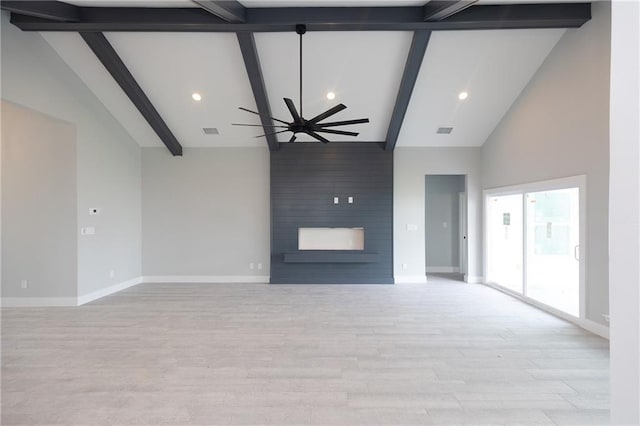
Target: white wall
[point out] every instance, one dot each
(108, 160)
(206, 214)
(624, 213)
(39, 205)
(442, 207)
(410, 167)
(558, 127)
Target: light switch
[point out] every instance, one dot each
(89, 230)
(412, 227)
(336, 200)
(445, 225)
(350, 200)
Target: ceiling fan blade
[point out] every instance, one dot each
(257, 113)
(317, 136)
(343, 123)
(337, 132)
(274, 133)
(258, 125)
(293, 138)
(328, 113)
(292, 110)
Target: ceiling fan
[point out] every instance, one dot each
(313, 126)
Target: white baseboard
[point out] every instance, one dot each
(441, 269)
(410, 279)
(38, 302)
(208, 279)
(594, 327)
(35, 302)
(473, 280)
(90, 297)
(587, 324)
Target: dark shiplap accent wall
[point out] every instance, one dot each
(304, 179)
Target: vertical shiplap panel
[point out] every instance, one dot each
(304, 179)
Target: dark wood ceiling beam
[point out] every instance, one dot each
(411, 70)
(522, 16)
(112, 62)
(53, 10)
(437, 10)
(254, 72)
(230, 11)
(544, 15)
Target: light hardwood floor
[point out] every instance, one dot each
(441, 353)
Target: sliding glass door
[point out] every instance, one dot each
(533, 242)
(504, 242)
(553, 248)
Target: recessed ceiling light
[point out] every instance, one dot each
(463, 95)
(196, 97)
(331, 96)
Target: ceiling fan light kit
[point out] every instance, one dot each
(312, 127)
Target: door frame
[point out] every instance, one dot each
(462, 232)
(579, 182)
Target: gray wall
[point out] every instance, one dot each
(39, 204)
(107, 161)
(206, 213)
(559, 127)
(410, 167)
(305, 177)
(624, 215)
(442, 206)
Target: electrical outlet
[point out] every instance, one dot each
(252, 265)
(405, 266)
(24, 284)
(259, 265)
(112, 274)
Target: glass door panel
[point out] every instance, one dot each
(553, 245)
(504, 242)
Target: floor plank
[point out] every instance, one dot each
(441, 353)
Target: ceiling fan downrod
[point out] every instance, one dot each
(300, 30)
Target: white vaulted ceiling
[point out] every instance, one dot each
(171, 66)
(491, 66)
(364, 69)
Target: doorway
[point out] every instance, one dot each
(445, 226)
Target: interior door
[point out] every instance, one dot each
(462, 211)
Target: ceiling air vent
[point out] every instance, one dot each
(444, 130)
(210, 131)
